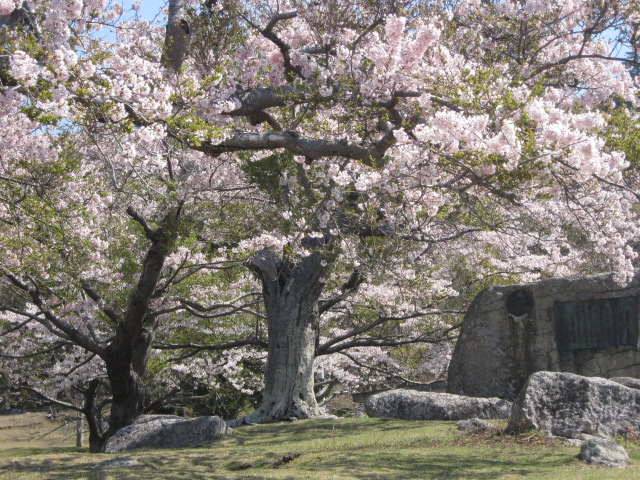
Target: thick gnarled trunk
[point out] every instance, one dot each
(293, 334)
(291, 292)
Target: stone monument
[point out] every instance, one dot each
(587, 325)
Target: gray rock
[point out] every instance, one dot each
(498, 349)
(604, 452)
(119, 462)
(355, 413)
(436, 386)
(16, 411)
(574, 442)
(166, 431)
(627, 382)
(569, 405)
(474, 425)
(409, 404)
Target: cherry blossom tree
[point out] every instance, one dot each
(101, 228)
(370, 159)
(481, 121)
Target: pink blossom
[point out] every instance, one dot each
(8, 6)
(24, 68)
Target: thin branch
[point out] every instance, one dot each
(378, 369)
(52, 322)
(55, 401)
(569, 58)
(17, 327)
(149, 232)
(349, 287)
(197, 348)
(40, 352)
(333, 345)
(93, 295)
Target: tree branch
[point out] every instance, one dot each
(349, 287)
(93, 295)
(66, 330)
(35, 354)
(333, 345)
(55, 401)
(197, 348)
(148, 231)
(371, 155)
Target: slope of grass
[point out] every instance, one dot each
(344, 449)
(36, 430)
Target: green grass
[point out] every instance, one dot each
(367, 449)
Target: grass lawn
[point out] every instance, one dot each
(362, 448)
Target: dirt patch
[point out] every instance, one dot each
(286, 459)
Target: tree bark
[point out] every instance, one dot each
(127, 371)
(177, 36)
(291, 291)
(79, 430)
(91, 411)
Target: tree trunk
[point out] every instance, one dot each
(127, 354)
(127, 371)
(91, 410)
(80, 430)
(291, 291)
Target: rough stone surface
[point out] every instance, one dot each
(409, 404)
(604, 452)
(166, 431)
(119, 462)
(474, 425)
(436, 386)
(497, 351)
(569, 405)
(627, 382)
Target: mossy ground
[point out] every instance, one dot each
(361, 448)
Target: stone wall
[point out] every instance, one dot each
(588, 326)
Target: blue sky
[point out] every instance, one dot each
(149, 8)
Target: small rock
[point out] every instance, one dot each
(119, 462)
(604, 452)
(16, 411)
(572, 442)
(356, 413)
(474, 425)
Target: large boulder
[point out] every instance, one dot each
(166, 431)
(409, 404)
(569, 405)
(587, 325)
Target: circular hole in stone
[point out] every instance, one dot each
(519, 303)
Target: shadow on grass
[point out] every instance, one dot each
(283, 432)
(85, 471)
(440, 466)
